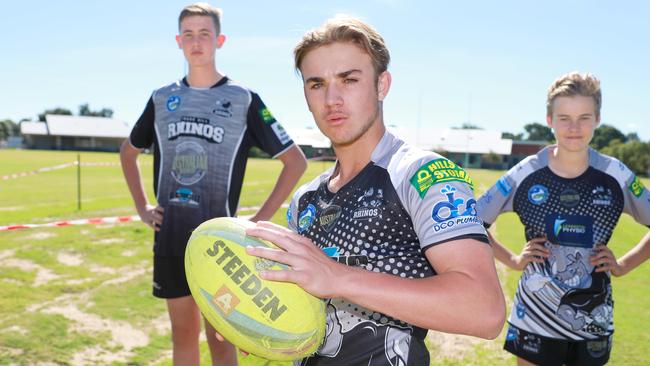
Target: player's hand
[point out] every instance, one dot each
(152, 216)
(534, 251)
(311, 269)
(604, 260)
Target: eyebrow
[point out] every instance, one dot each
(341, 75)
(200, 30)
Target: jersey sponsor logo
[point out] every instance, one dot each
(438, 171)
(190, 163)
(184, 197)
(280, 133)
(531, 343)
(601, 196)
(223, 108)
(306, 218)
(520, 310)
(537, 194)
(569, 198)
(503, 186)
(512, 334)
(329, 217)
(266, 115)
(370, 201)
(173, 103)
(195, 127)
(597, 349)
(570, 230)
(636, 187)
(453, 207)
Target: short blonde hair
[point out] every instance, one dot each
(202, 9)
(574, 83)
(345, 29)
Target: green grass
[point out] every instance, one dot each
(102, 273)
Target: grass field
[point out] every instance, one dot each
(82, 294)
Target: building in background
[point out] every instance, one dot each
(60, 132)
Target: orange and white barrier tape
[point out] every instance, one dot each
(92, 221)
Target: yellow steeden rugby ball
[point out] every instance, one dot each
(275, 320)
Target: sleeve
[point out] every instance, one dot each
(637, 199)
(267, 132)
(142, 134)
(440, 200)
(497, 199)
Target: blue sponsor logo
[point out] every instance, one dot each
(570, 230)
(289, 215)
(512, 335)
(504, 187)
(452, 207)
(306, 218)
(521, 310)
(173, 102)
(332, 251)
(537, 194)
(184, 196)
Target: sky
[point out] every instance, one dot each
(484, 62)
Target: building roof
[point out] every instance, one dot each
(59, 125)
(456, 140)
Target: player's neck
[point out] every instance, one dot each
(351, 159)
(568, 164)
(203, 77)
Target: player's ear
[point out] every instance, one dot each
(383, 84)
(178, 41)
(221, 39)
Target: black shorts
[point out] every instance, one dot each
(550, 351)
(169, 280)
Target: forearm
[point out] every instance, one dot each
(453, 302)
(291, 172)
(501, 253)
(131, 170)
(636, 256)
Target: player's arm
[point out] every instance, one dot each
(604, 259)
(464, 297)
(149, 214)
(534, 251)
(294, 165)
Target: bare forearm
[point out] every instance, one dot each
(131, 170)
(636, 256)
(501, 253)
(452, 302)
(291, 172)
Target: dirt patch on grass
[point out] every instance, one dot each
(43, 275)
(69, 259)
(41, 235)
(110, 241)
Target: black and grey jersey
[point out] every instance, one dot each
(201, 138)
(563, 297)
(402, 203)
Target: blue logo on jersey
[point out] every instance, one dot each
(331, 251)
(521, 310)
(289, 216)
(184, 196)
(449, 209)
(512, 335)
(537, 194)
(306, 218)
(504, 187)
(173, 102)
(570, 230)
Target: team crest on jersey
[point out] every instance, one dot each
(195, 127)
(512, 334)
(636, 187)
(369, 204)
(306, 218)
(190, 163)
(438, 171)
(537, 194)
(173, 103)
(569, 198)
(601, 196)
(329, 217)
(521, 310)
(223, 108)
